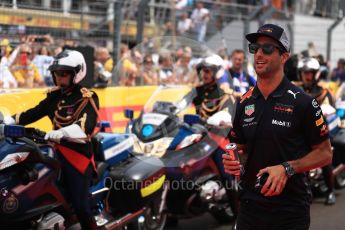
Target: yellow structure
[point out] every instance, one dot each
(113, 102)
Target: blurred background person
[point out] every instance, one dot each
(200, 18)
(166, 74)
(242, 80)
(25, 72)
(43, 60)
(184, 25)
(183, 69)
(7, 56)
(324, 68)
(338, 73)
(149, 72)
(103, 67)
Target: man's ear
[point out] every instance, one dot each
(285, 56)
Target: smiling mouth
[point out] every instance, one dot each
(260, 62)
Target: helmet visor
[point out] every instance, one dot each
(62, 73)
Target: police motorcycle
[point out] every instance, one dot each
(128, 193)
(166, 129)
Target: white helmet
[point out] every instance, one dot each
(308, 64)
(213, 61)
(70, 60)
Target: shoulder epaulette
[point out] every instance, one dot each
(86, 92)
(247, 95)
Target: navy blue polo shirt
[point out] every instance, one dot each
(280, 128)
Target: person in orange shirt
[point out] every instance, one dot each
(25, 72)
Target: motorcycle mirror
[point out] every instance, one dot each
(191, 119)
(129, 113)
(103, 125)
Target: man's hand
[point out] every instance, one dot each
(276, 180)
(231, 166)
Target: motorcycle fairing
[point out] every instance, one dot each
(112, 147)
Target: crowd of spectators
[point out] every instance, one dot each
(26, 65)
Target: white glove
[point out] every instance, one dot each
(8, 120)
(54, 135)
(72, 132)
(219, 118)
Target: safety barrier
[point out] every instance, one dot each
(113, 101)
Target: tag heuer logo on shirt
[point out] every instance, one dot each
(249, 110)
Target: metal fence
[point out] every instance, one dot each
(106, 23)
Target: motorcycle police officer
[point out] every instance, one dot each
(71, 109)
(211, 98)
(309, 69)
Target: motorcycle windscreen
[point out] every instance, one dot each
(169, 63)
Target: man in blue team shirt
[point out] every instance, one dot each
(242, 81)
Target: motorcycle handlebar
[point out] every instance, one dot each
(33, 136)
(36, 135)
(17, 131)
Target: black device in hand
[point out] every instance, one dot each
(260, 181)
(40, 39)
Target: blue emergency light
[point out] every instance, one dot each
(14, 131)
(147, 130)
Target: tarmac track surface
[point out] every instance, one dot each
(322, 217)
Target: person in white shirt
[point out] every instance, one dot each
(200, 18)
(6, 78)
(184, 24)
(43, 60)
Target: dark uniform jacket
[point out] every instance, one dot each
(323, 96)
(211, 99)
(64, 109)
(281, 128)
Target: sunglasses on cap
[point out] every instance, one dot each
(266, 48)
(62, 73)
